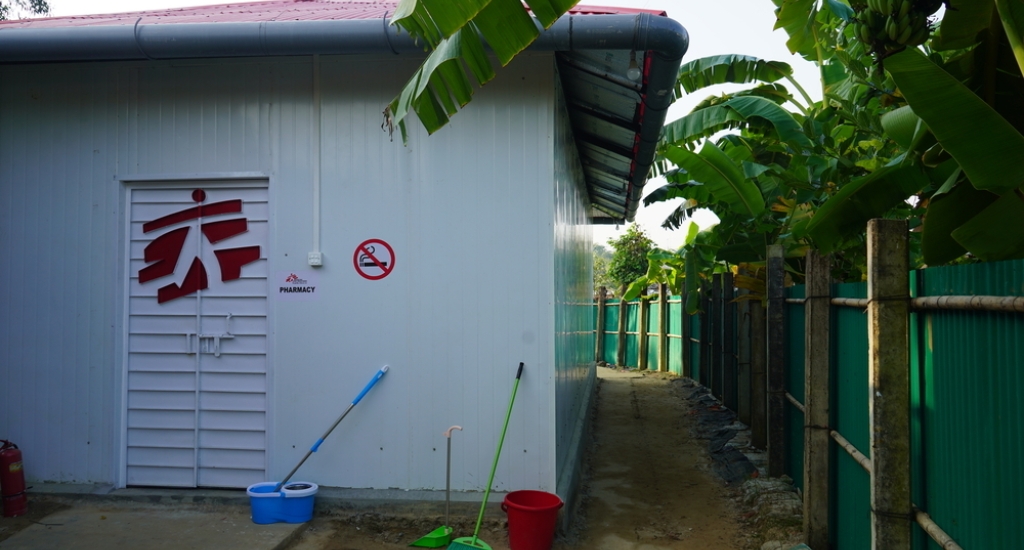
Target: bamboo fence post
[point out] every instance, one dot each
(817, 314)
(643, 338)
(728, 333)
(758, 377)
(889, 384)
(776, 361)
(620, 355)
(663, 328)
(601, 316)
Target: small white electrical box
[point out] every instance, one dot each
(316, 259)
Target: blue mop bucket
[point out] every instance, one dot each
(292, 504)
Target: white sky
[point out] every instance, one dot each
(715, 27)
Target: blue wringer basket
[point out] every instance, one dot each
(292, 504)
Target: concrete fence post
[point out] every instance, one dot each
(643, 338)
(602, 296)
(817, 442)
(728, 333)
(889, 383)
(758, 377)
(620, 355)
(663, 328)
(776, 361)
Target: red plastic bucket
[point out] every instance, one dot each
(532, 516)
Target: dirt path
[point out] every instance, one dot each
(648, 485)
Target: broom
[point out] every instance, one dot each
(474, 542)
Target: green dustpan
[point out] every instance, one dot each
(435, 539)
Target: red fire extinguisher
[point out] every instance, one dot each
(12, 480)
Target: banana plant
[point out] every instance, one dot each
(455, 33)
(961, 125)
(767, 176)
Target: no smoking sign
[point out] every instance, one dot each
(374, 259)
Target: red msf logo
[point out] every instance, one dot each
(163, 252)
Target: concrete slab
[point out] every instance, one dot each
(88, 526)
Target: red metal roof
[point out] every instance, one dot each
(273, 10)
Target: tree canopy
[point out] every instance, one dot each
(15, 9)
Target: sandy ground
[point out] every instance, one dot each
(648, 485)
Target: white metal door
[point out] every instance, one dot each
(197, 336)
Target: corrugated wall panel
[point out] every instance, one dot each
(675, 328)
(851, 500)
(472, 293)
(652, 335)
(575, 373)
(795, 332)
(973, 414)
(611, 326)
(632, 340)
(469, 212)
(58, 233)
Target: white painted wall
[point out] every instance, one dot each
(474, 213)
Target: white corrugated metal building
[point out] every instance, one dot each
(164, 177)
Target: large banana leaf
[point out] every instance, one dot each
(797, 18)
(453, 30)
(721, 175)
(734, 113)
(721, 69)
(1011, 12)
(987, 147)
(960, 26)
(848, 211)
(997, 232)
(945, 214)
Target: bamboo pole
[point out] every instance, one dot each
(800, 406)
(602, 296)
(1009, 304)
(889, 383)
(663, 328)
(858, 456)
(776, 319)
(817, 353)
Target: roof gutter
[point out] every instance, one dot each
(664, 40)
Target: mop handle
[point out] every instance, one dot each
(497, 454)
(316, 445)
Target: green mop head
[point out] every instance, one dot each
(468, 543)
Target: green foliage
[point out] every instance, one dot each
(23, 8)
(456, 32)
(602, 256)
(629, 261)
